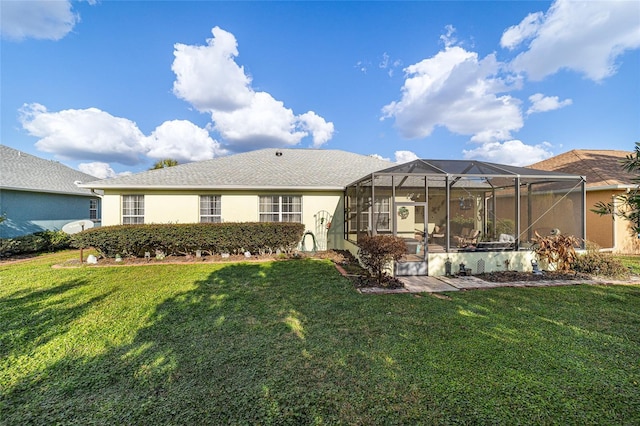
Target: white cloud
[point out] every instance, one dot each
(515, 35)
(361, 66)
(541, 103)
(92, 134)
(401, 157)
(387, 64)
(89, 134)
(181, 140)
(51, 20)
(265, 122)
(379, 157)
(586, 37)
(209, 78)
(317, 126)
(98, 169)
(456, 90)
(405, 156)
(513, 152)
(448, 39)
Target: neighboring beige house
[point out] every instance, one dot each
(605, 180)
(281, 185)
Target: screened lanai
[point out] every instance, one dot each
(458, 206)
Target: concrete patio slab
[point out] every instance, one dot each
(424, 284)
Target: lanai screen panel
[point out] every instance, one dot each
(548, 206)
(500, 201)
(468, 197)
(351, 203)
(382, 222)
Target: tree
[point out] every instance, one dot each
(627, 205)
(163, 164)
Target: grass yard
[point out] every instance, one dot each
(630, 261)
(292, 342)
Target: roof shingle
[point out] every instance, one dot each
(25, 172)
(261, 169)
(601, 167)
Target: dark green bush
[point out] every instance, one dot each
(34, 243)
(185, 239)
(377, 251)
(598, 263)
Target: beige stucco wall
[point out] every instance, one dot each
(236, 206)
(599, 228)
(612, 233)
(493, 261)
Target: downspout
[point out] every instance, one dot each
(584, 213)
(614, 222)
(448, 213)
(392, 207)
(517, 242)
(93, 191)
(529, 213)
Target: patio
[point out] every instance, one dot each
(452, 212)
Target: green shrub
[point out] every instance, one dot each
(34, 243)
(599, 263)
(377, 251)
(185, 239)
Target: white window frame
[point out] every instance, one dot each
(378, 212)
(381, 210)
(132, 209)
(280, 208)
(210, 209)
(93, 209)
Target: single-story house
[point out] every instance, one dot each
(606, 180)
(281, 185)
(38, 194)
(481, 214)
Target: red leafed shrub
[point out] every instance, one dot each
(558, 250)
(377, 251)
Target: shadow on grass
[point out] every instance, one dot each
(216, 353)
(293, 343)
(32, 318)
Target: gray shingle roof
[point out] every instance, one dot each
(25, 172)
(262, 169)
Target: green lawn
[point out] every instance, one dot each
(292, 342)
(630, 261)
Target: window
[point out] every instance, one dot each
(382, 214)
(281, 208)
(210, 210)
(93, 209)
(132, 209)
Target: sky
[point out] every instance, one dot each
(110, 88)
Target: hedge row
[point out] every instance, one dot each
(34, 243)
(185, 239)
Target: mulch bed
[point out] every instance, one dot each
(511, 276)
(358, 275)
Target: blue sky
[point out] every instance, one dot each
(111, 87)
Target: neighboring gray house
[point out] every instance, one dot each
(38, 194)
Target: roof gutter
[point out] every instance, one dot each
(47, 191)
(611, 187)
(217, 187)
